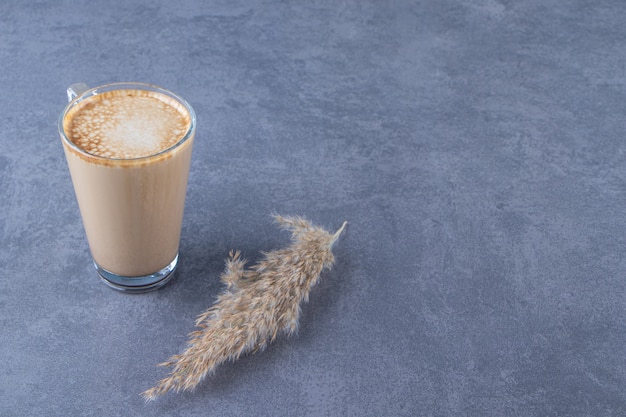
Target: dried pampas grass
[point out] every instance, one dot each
(258, 304)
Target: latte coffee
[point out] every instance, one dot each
(128, 148)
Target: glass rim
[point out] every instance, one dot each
(126, 86)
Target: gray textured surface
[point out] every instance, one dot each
(477, 149)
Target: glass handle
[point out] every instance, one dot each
(76, 90)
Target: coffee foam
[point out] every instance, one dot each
(127, 124)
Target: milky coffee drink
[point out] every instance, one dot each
(128, 150)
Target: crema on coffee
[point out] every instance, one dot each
(127, 124)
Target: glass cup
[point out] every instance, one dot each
(128, 148)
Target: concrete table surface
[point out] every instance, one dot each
(476, 148)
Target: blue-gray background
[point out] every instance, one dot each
(476, 148)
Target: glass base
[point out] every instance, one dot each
(139, 284)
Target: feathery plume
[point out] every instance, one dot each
(257, 305)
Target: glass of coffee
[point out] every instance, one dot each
(128, 148)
